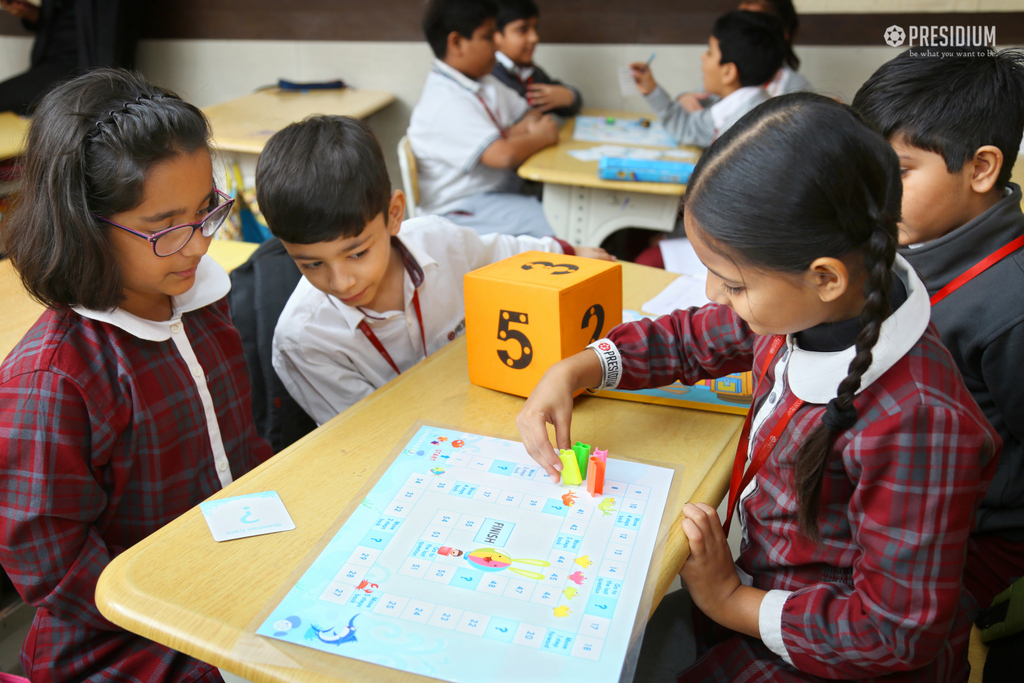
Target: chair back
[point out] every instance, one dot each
(410, 181)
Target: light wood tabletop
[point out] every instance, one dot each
(182, 589)
(555, 165)
(18, 311)
(246, 123)
(13, 130)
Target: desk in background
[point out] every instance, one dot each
(583, 209)
(183, 589)
(18, 311)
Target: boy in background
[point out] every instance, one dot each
(745, 50)
(516, 40)
(377, 295)
(469, 131)
(955, 124)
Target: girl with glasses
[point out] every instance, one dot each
(127, 403)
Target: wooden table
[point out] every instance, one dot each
(13, 130)
(18, 311)
(245, 124)
(583, 209)
(181, 588)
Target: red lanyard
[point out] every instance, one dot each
(740, 479)
(494, 118)
(365, 329)
(978, 268)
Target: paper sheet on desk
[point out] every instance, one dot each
(621, 151)
(685, 291)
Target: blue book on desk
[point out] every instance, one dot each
(644, 170)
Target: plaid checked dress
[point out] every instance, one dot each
(104, 438)
(881, 596)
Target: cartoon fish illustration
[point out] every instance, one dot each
(568, 498)
(562, 611)
(570, 593)
(366, 586)
(577, 578)
(458, 443)
(442, 439)
(335, 636)
(493, 560)
(607, 506)
(584, 561)
(437, 471)
(434, 443)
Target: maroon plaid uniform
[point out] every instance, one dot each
(103, 440)
(881, 595)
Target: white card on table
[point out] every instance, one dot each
(253, 514)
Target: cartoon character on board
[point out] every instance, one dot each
(562, 611)
(367, 587)
(584, 561)
(607, 506)
(335, 636)
(458, 443)
(282, 626)
(577, 578)
(437, 471)
(442, 439)
(570, 593)
(493, 560)
(568, 498)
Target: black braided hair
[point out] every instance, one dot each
(798, 178)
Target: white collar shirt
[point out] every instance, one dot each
(325, 361)
(456, 119)
(730, 108)
(523, 73)
(211, 284)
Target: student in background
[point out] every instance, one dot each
(955, 123)
(787, 79)
(744, 51)
(469, 132)
(127, 403)
(378, 295)
(516, 40)
(868, 455)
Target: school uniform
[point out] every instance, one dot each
(702, 127)
(982, 324)
(456, 119)
(880, 595)
(327, 363)
(111, 426)
(785, 81)
(519, 78)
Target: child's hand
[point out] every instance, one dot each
(709, 573)
(692, 101)
(546, 97)
(594, 252)
(644, 77)
(550, 402)
(545, 126)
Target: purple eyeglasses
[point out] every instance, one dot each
(173, 239)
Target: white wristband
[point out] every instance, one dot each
(611, 363)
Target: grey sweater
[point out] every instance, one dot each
(982, 323)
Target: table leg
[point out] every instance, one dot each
(585, 216)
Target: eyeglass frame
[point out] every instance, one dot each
(152, 238)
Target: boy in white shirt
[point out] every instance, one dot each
(378, 295)
(744, 52)
(469, 131)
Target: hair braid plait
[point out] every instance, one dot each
(879, 253)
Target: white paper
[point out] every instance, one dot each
(253, 514)
(619, 151)
(685, 291)
(679, 257)
(627, 86)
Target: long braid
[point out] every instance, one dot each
(841, 414)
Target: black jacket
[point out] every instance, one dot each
(539, 76)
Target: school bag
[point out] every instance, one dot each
(260, 288)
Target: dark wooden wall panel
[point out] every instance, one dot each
(562, 21)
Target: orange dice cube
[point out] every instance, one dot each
(530, 311)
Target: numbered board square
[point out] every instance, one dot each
(529, 311)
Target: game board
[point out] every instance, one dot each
(466, 563)
(621, 131)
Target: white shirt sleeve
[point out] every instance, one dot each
(769, 622)
(481, 250)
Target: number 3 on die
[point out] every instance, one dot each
(506, 318)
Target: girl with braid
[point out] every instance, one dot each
(127, 403)
(863, 459)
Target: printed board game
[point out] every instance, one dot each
(621, 131)
(466, 563)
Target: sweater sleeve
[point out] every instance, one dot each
(919, 475)
(687, 128)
